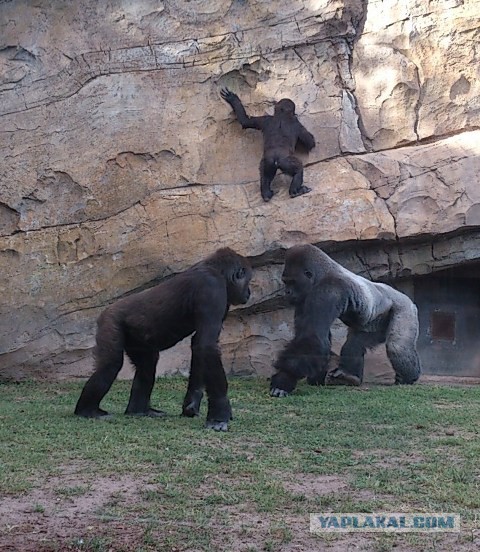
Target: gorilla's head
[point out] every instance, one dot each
(298, 275)
(306, 266)
(237, 272)
(285, 106)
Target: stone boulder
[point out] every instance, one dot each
(122, 165)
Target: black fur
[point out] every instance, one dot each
(195, 301)
(322, 290)
(281, 132)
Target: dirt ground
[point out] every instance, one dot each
(43, 519)
(49, 519)
(64, 523)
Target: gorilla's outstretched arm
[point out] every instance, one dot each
(245, 120)
(307, 355)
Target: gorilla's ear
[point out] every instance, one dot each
(308, 274)
(239, 274)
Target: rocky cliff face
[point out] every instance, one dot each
(122, 165)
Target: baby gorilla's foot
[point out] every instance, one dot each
(300, 191)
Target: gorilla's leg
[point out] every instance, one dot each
(350, 369)
(108, 362)
(268, 169)
(294, 167)
(208, 359)
(219, 410)
(145, 362)
(193, 398)
(401, 345)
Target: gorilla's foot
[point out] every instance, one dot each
(216, 425)
(149, 413)
(275, 392)
(300, 191)
(93, 413)
(156, 413)
(339, 377)
(219, 413)
(403, 381)
(191, 410)
(267, 195)
(191, 403)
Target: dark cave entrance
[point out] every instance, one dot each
(448, 304)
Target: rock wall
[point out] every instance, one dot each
(122, 165)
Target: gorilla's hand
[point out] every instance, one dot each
(281, 384)
(275, 392)
(228, 95)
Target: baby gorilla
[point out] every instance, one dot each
(322, 290)
(281, 132)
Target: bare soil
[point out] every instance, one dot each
(63, 513)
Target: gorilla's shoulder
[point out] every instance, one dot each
(334, 285)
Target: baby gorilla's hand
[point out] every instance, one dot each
(228, 95)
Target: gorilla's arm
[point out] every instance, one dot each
(241, 114)
(307, 355)
(305, 137)
(206, 369)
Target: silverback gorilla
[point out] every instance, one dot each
(195, 301)
(281, 132)
(322, 290)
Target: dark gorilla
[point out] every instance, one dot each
(281, 132)
(322, 290)
(195, 301)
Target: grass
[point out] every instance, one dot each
(406, 449)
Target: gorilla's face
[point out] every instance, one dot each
(238, 287)
(298, 282)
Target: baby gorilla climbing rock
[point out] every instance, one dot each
(281, 132)
(322, 290)
(195, 301)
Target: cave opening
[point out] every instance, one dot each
(448, 304)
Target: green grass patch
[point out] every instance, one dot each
(396, 448)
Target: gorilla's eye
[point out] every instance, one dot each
(240, 273)
(308, 274)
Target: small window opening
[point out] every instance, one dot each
(442, 325)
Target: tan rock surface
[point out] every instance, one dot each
(121, 164)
